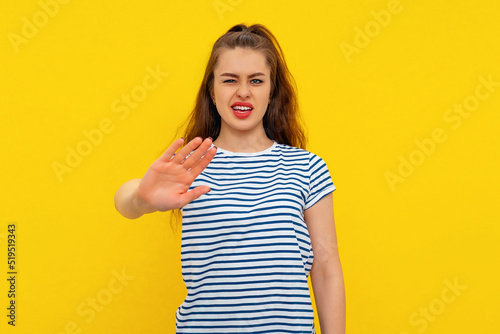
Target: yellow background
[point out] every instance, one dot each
(399, 244)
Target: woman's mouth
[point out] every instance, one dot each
(242, 112)
(242, 109)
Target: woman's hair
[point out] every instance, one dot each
(281, 121)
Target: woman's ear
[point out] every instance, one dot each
(212, 96)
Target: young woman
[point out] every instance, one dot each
(256, 206)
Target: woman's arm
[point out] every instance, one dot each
(326, 273)
(126, 201)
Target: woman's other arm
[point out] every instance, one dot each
(326, 273)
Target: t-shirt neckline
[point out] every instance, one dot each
(267, 150)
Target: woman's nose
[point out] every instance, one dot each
(243, 91)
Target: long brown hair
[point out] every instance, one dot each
(282, 121)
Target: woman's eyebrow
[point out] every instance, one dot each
(232, 75)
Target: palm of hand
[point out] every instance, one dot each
(165, 185)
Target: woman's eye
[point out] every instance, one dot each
(254, 81)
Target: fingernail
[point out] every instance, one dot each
(210, 138)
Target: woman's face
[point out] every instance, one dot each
(242, 88)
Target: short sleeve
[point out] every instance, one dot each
(320, 181)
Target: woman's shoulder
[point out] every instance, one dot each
(301, 155)
(294, 150)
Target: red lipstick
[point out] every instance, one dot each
(242, 109)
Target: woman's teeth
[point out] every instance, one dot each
(241, 108)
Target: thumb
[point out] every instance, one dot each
(194, 194)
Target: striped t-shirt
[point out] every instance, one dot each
(246, 252)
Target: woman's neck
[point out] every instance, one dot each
(244, 142)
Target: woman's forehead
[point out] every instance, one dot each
(242, 61)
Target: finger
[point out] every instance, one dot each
(188, 148)
(167, 155)
(203, 163)
(194, 194)
(191, 160)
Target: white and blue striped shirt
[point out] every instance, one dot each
(246, 252)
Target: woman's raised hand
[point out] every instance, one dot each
(165, 186)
